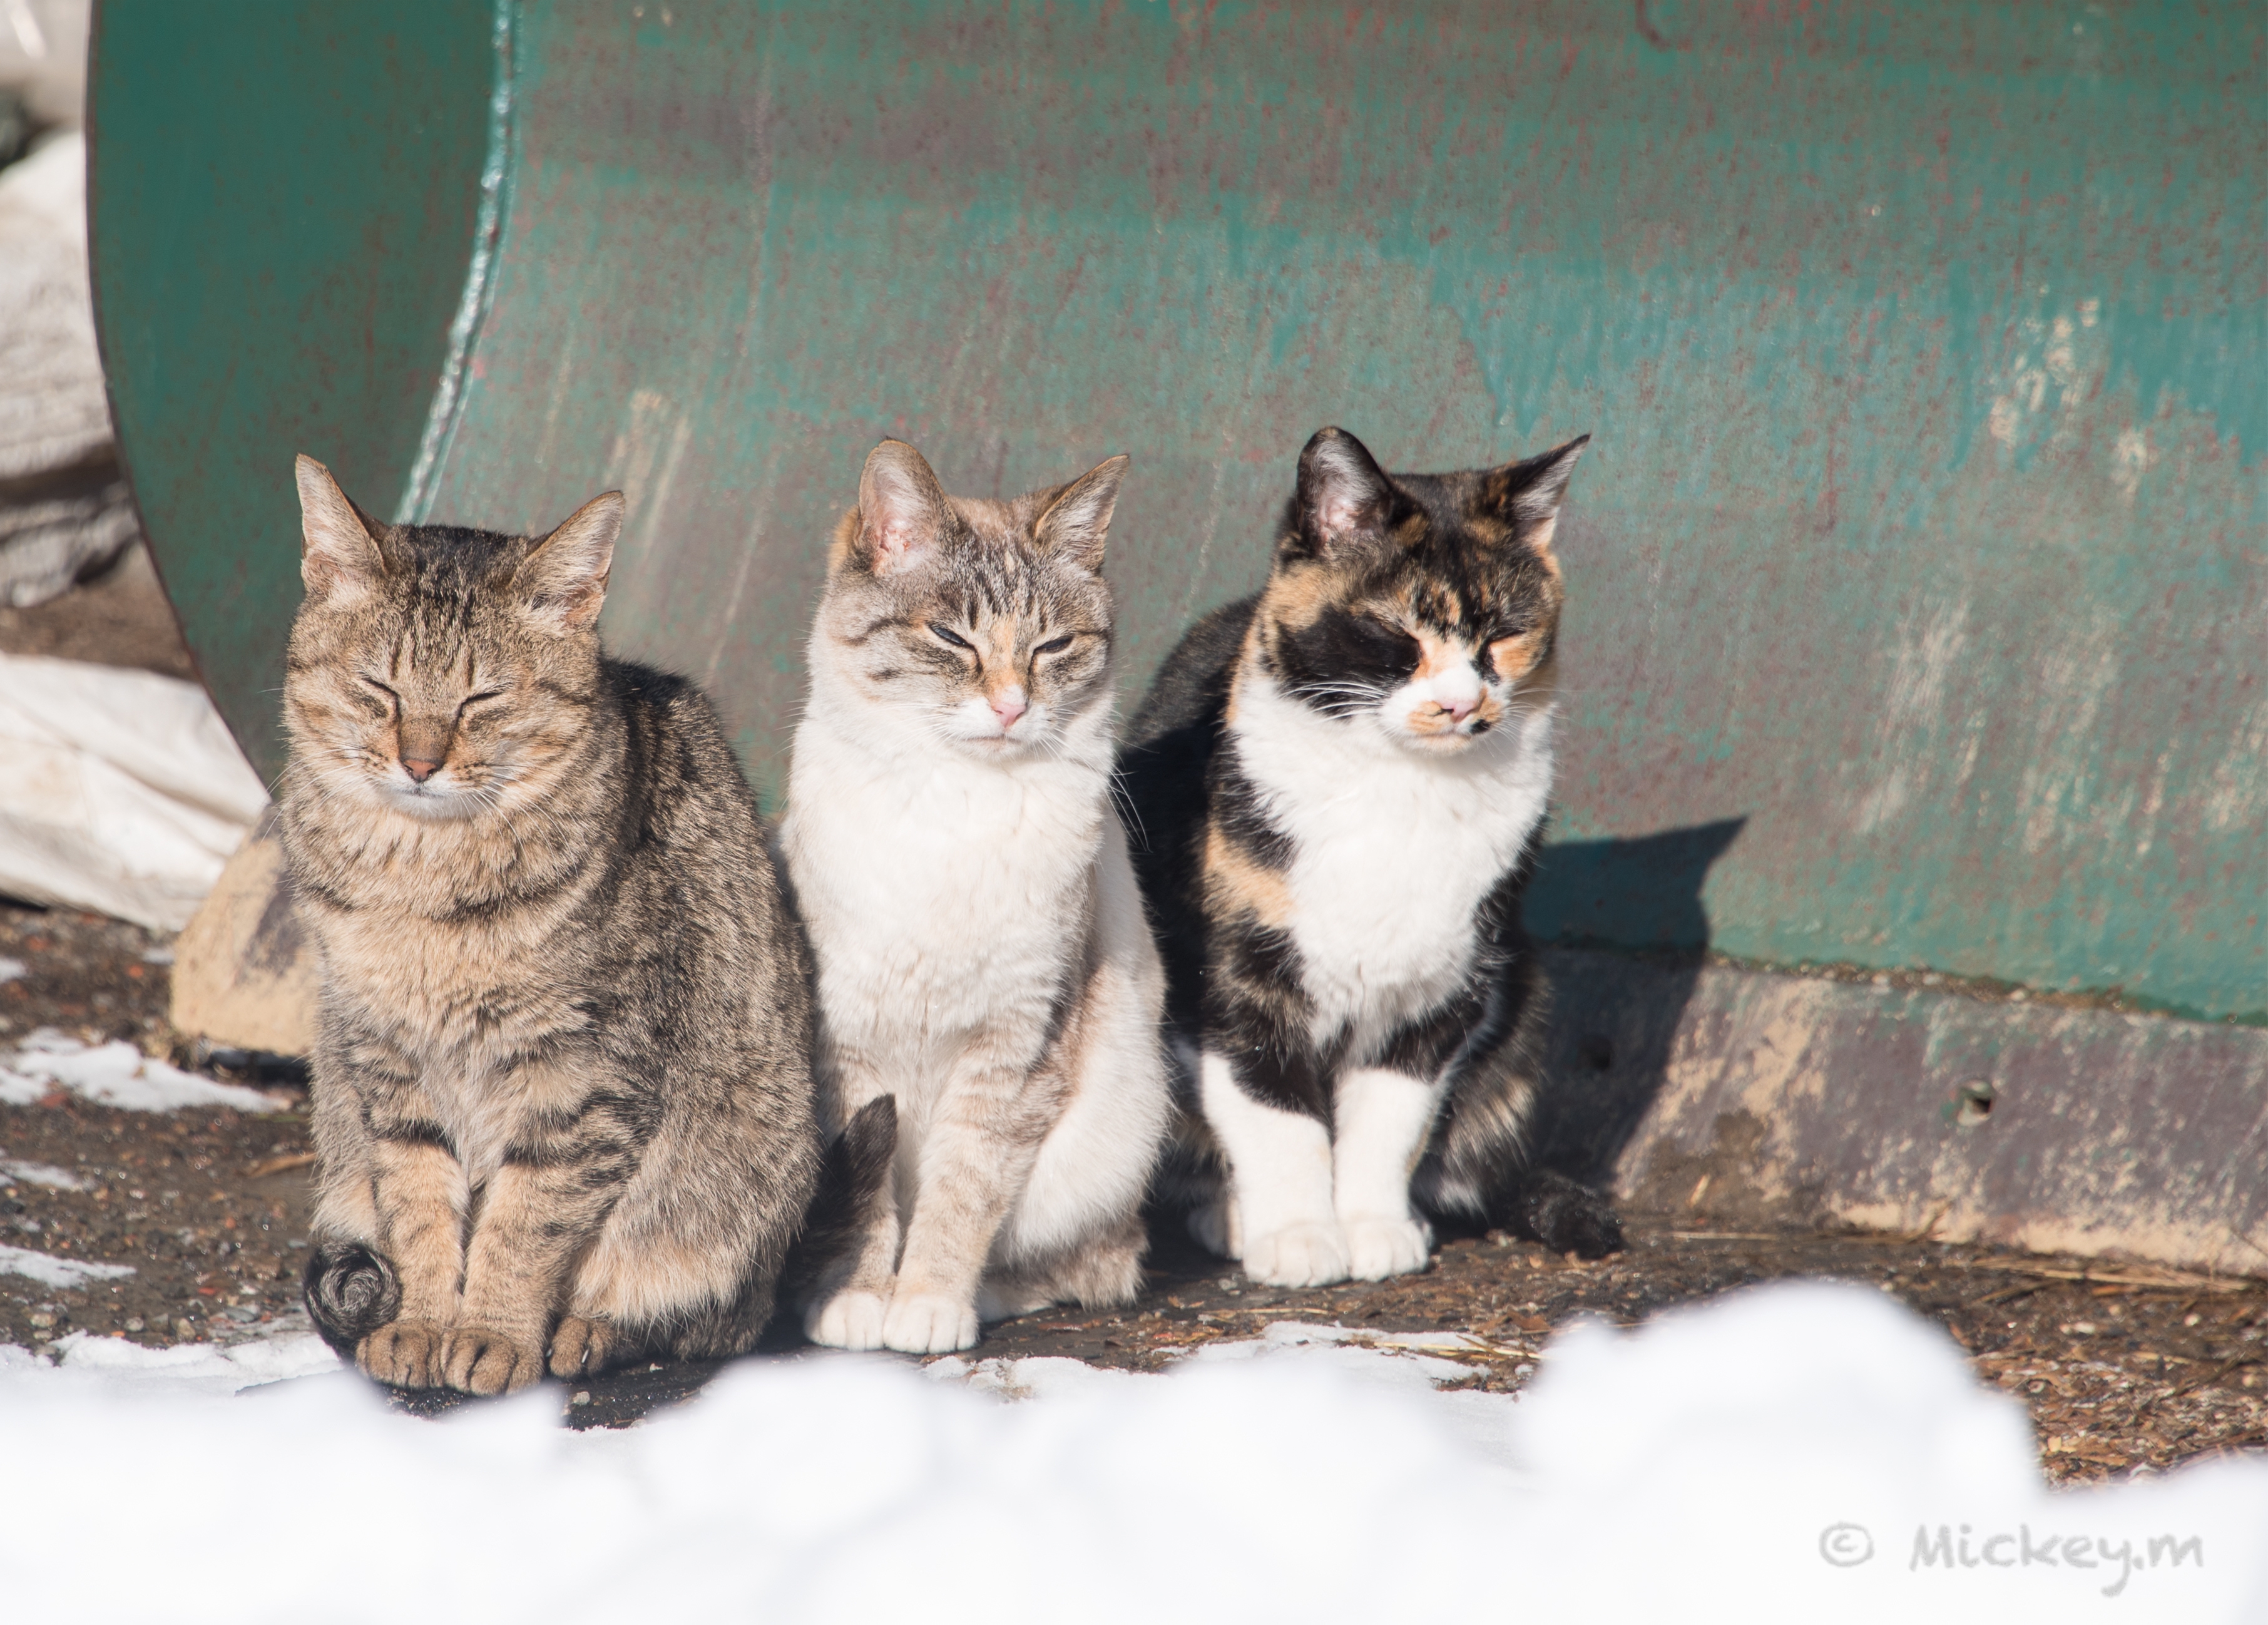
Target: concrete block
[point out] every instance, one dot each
(245, 970)
(1753, 1097)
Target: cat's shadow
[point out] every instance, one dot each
(1624, 931)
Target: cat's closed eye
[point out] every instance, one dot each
(393, 699)
(483, 698)
(951, 637)
(1386, 641)
(1053, 645)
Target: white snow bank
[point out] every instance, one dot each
(120, 791)
(113, 1074)
(1789, 1453)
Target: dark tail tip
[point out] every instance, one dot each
(869, 1142)
(1563, 1215)
(350, 1292)
(855, 1170)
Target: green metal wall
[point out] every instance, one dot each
(1916, 565)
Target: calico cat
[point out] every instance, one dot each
(563, 1094)
(1342, 782)
(982, 949)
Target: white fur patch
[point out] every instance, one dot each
(1454, 687)
(1282, 1184)
(1394, 849)
(1382, 1120)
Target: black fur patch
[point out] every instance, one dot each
(1237, 813)
(1539, 1205)
(1345, 662)
(853, 1173)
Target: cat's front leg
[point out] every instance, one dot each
(1380, 1120)
(1279, 1161)
(575, 1148)
(418, 1197)
(977, 1158)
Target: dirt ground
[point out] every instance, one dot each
(2123, 1367)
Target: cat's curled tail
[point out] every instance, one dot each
(350, 1291)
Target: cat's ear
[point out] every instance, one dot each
(563, 580)
(340, 559)
(1343, 497)
(1079, 518)
(902, 512)
(1527, 494)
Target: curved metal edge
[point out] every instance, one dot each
(496, 171)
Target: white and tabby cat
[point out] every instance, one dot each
(982, 950)
(1342, 782)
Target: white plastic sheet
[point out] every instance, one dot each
(64, 509)
(120, 791)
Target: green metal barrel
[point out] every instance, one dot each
(1918, 617)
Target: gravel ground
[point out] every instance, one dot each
(2123, 1367)
(210, 1207)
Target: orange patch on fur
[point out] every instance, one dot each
(1296, 597)
(1435, 656)
(1234, 883)
(1515, 658)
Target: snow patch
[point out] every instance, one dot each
(196, 1367)
(13, 970)
(50, 1271)
(113, 1074)
(41, 1173)
(1791, 1452)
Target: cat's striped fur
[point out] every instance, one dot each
(1342, 782)
(562, 1096)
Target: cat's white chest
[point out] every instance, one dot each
(935, 891)
(1393, 854)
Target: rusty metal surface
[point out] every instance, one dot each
(1921, 541)
(1753, 1096)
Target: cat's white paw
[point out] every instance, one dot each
(847, 1320)
(1299, 1255)
(926, 1324)
(1214, 1225)
(1377, 1248)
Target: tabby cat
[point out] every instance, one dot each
(1342, 782)
(983, 954)
(562, 1095)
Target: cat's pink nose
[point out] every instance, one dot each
(1458, 709)
(419, 768)
(1008, 704)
